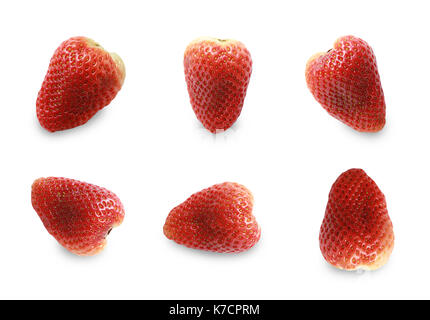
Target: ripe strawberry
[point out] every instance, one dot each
(78, 214)
(216, 219)
(217, 73)
(82, 78)
(345, 81)
(356, 232)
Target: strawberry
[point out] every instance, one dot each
(345, 81)
(217, 73)
(78, 214)
(216, 219)
(356, 232)
(82, 78)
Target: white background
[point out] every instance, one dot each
(148, 147)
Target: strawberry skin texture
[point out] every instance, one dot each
(78, 214)
(217, 219)
(346, 82)
(217, 73)
(356, 232)
(82, 78)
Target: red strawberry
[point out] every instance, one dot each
(217, 73)
(217, 219)
(78, 214)
(82, 78)
(356, 232)
(345, 81)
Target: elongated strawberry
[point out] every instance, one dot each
(356, 232)
(345, 81)
(78, 214)
(217, 219)
(217, 73)
(82, 78)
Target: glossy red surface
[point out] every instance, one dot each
(217, 73)
(81, 80)
(217, 219)
(356, 231)
(346, 82)
(78, 214)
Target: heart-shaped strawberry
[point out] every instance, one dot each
(345, 81)
(217, 219)
(356, 232)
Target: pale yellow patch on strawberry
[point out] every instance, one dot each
(115, 57)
